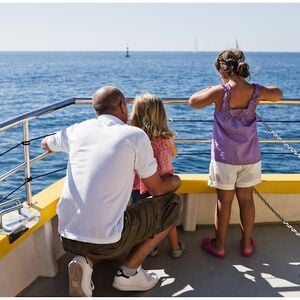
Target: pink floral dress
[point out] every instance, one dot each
(163, 152)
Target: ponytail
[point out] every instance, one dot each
(233, 62)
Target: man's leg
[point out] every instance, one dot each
(145, 225)
(150, 223)
(131, 276)
(141, 251)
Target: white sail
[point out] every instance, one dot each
(236, 44)
(196, 47)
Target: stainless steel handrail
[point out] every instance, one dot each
(23, 165)
(18, 206)
(26, 117)
(35, 113)
(194, 140)
(61, 104)
(8, 210)
(26, 135)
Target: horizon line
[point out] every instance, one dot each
(134, 51)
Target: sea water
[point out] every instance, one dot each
(30, 80)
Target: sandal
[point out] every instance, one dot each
(178, 253)
(208, 246)
(248, 253)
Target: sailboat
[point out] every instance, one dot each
(196, 47)
(127, 52)
(236, 44)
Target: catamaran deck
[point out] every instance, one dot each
(273, 271)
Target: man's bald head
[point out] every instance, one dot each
(107, 99)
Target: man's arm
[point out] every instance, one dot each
(58, 141)
(157, 185)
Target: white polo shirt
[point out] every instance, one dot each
(103, 156)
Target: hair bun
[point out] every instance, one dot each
(242, 69)
(233, 62)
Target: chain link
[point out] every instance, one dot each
(292, 150)
(284, 222)
(277, 137)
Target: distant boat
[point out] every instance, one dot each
(236, 44)
(127, 52)
(196, 47)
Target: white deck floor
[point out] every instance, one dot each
(273, 271)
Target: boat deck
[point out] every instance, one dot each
(273, 271)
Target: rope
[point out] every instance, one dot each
(30, 179)
(41, 137)
(24, 143)
(10, 149)
(9, 194)
(49, 173)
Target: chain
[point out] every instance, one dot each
(277, 137)
(284, 222)
(292, 150)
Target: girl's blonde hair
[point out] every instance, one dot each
(149, 114)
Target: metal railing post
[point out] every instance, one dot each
(26, 145)
(24, 119)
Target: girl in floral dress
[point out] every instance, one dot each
(149, 114)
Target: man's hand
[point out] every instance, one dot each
(45, 146)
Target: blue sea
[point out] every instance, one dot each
(30, 80)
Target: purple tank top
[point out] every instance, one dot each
(234, 139)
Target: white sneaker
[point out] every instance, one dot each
(141, 281)
(80, 277)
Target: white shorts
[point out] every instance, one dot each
(228, 177)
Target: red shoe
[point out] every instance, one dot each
(208, 245)
(248, 253)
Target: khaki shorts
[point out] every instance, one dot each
(228, 177)
(142, 221)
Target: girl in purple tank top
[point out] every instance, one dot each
(235, 166)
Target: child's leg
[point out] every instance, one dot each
(247, 215)
(173, 239)
(222, 216)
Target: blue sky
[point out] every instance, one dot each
(149, 26)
